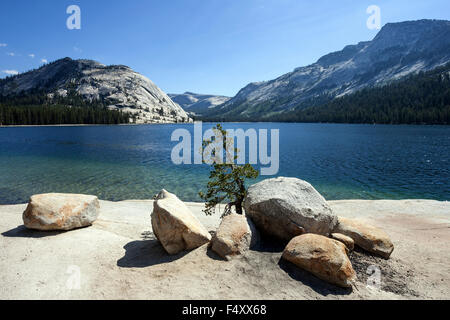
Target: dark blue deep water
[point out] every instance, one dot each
(134, 162)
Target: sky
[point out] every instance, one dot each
(203, 46)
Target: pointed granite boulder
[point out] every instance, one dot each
(175, 226)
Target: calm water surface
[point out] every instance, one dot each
(133, 162)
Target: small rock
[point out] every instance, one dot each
(56, 211)
(349, 243)
(175, 226)
(368, 237)
(288, 207)
(324, 257)
(235, 235)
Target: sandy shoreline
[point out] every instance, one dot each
(119, 258)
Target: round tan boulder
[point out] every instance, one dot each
(288, 207)
(368, 237)
(235, 235)
(324, 257)
(57, 211)
(349, 243)
(175, 226)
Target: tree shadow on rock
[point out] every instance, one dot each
(146, 253)
(24, 232)
(308, 279)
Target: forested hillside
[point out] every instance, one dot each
(422, 98)
(38, 108)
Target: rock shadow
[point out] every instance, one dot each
(267, 243)
(146, 253)
(321, 287)
(213, 255)
(24, 232)
(394, 277)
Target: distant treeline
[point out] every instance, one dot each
(59, 114)
(423, 98)
(37, 108)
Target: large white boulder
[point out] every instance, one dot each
(324, 257)
(288, 207)
(56, 211)
(235, 236)
(175, 226)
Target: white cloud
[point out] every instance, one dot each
(11, 54)
(3, 45)
(44, 61)
(76, 49)
(11, 72)
(31, 55)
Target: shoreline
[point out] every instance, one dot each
(119, 258)
(235, 122)
(86, 125)
(197, 204)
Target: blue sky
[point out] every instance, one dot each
(204, 46)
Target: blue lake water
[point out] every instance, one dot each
(134, 162)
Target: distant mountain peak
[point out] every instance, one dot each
(195, 103)
(399, 49)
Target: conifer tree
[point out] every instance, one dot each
(227, 180)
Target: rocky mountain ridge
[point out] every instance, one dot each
(116, 86)
(398, 50)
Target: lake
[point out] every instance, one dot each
(134, 162)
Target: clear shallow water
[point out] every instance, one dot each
(133, 162)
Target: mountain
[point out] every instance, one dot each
(422, 98)
(398, 50)
(117, 87)
(198, 103)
